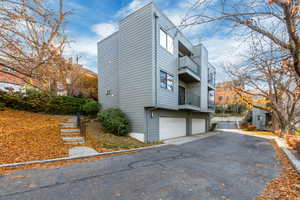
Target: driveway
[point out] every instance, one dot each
(223, 166)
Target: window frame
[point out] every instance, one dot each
(167, 81)
(165, 43)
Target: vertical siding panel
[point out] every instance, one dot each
(135, 66)
(108, 73)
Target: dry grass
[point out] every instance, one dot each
(287, 185)
(106, 142)
(26, 136)
(262, 133)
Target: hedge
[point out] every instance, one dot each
(40, 102)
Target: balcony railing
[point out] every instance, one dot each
(211, 75)
(190, 99)
(211, 105)
(187, 62)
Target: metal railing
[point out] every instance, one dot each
(190, 99)
(187, 62)
(212, 75)
(81, 125)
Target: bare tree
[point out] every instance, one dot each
(270, 84)
(32, 37)
(275, 20)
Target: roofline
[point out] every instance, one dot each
(102, 40)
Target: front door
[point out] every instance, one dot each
(181, 95)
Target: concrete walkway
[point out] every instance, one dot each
(223, 166)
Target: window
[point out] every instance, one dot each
(166, 81)
(7, 69)
(163, 38)
(166, 41)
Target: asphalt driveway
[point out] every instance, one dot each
(224, 166)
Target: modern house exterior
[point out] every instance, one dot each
(156, 76)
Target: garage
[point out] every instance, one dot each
(171, 127)
(198, 126)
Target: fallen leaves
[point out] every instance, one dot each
(287, 185)
(26, 136)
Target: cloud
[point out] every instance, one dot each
(131, 7)
(104, 29)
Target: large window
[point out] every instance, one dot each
(166, 81)
(166, 41)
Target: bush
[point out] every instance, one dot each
(114, 121)
(213, 126)
(251, 128)
(244, 125)
(91, 108)
(2, 106)
(39, 102)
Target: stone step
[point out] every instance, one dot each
(68, 125)
(73, 139)
(72, 119)
(71, 134)
(73, 130)
(74, 142)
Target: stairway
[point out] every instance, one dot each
(71, 132)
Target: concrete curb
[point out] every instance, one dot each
(281, 144)
(295, 162)
(77, 157)
(98, 154)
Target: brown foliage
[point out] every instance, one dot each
(28, 136)
(287, 185)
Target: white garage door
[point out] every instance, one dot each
(171, 127)
(198, 126)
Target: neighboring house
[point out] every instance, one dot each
(261, 119)
(225, 94)
(8, 80)
(156, 76)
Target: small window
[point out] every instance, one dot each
(7, 69)
(170, 82)
(170, 44)
(163, 79)
(166, 81)
(163, 38)
(108, 92)
(166, 41)
(259, 118)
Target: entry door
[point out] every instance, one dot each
(181, 95)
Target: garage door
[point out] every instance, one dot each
(171, 127)
(198, 126)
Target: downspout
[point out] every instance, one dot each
(155, 58)
(155, 70)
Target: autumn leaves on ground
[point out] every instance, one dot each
(26, 136)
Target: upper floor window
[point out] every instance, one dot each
(166, 81)
(166, 41)
(7, 69)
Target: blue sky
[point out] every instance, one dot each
(93, 20)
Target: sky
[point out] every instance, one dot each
(93, 20)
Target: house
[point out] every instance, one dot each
(261, 119)
(8, 80)
(225, 95)
(156, 76)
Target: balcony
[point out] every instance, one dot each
(188, 70)
(189, 101)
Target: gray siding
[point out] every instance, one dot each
(202, 58)
(166, 62)
(258, 113)
(135, 66)
(108, 63)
